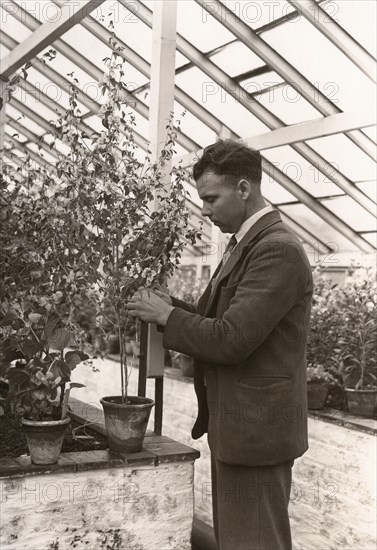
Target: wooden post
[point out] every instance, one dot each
(161, 109)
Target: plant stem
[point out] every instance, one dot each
(65, 403)
(123, 361)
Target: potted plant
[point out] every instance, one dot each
(38, 372)
(86, 227)
(322, 349)
(129, 244)
(358, 343)
(318, 381)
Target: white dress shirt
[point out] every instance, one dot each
(247, 224)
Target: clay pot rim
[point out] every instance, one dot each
(362, 390)
(146, 402)
(60, 422)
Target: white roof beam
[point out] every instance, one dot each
(46, 34)
(337, 35)
(270, 56)
(144, 67)
(289, 135)
(305, 198)
(92, 70)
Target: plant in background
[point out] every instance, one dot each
(39, 381)
(325, 325)
(319, 375)
(185, 286)
(357, 301)
(86, 230)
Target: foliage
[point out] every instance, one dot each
(319, 374)
(86, 230)
(357, 300)
(186, 287)
(343, 332)
(325, 325)
(36, 341)
(11, 86)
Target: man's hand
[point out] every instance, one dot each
(150, 306)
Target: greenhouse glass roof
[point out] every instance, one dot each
(294, 79)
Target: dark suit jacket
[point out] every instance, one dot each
(248, 337)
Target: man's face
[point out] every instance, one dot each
(222, 202)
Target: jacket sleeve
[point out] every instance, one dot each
(183, 305)
(273, 282)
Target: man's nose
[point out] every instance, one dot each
(205, 211)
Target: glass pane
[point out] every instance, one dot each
(257, 14)
(236, 58)
(346, 156)
(301, 171)
(322, 63)
(180, 60)
(274, 192)
(96, 51)
(317, 226)
(10, 25)
(351, 213)
(3, 50)
(371, 238)
(369, 188)
(286, 103)
(199, 27)
(54, 93)
(193, 127)
(371, 132)
(261, 82)
(128, 27)
(12, 132)
(358, 17)
(42, 10)
(29, 124)
(222, 105)
(44, 154)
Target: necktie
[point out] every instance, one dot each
(228, 250)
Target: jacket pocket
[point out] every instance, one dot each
(253, 382)
(226, 294)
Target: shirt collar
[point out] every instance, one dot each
(247, 224)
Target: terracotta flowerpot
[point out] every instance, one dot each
(45, 439)
(126, 423)
(187, 365)
(317, 395)
(361, 402)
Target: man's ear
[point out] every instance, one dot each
(244, 189)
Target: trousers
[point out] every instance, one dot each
(250, 506)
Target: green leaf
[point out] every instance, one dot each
(52, 321)
(31, 347)
(10, 316)
(76, 385)
(59, 339)
(17, 377)
(73, 358)
(61, 370)
(34, 318)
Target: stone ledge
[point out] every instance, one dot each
(157, 449)
(345, 419)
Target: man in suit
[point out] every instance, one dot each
(248, 337)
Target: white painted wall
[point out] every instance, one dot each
(132, 508)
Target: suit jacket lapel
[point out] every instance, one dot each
(266, 221)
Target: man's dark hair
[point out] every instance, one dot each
(230, 158)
